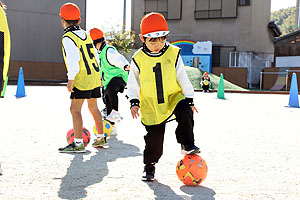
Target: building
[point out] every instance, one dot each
(231, 25)
(36, 33)
(286, 62)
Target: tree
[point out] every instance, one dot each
(285, 19)
(121, 40)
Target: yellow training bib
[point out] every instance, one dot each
(88, 77)
(4, 51)
(160, 91)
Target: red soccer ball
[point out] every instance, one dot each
(86, 136)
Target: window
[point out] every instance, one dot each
(211, 9)
(244, 2)
(170, 9)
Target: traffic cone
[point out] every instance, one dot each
(294, 101)
(220, 93)
(21, 86)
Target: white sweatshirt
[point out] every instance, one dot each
(116, 59)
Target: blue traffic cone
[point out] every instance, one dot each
(21, 86)
(294, 101)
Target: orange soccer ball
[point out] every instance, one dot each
(191, 170)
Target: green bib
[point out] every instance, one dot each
(109, 71)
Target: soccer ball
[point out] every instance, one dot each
(191, 170)
(106, 128)
(206, 82)
(86, 136)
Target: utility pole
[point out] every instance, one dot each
(297, 19)
(124, 17)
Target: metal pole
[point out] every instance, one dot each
(124, 17)
(260, 85)
(230, 59)
(235, 59)
(286, 79)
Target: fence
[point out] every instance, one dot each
(286, 77)
(254, 63)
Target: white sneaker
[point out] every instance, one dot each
(113, 130)
(114, 116)
(103, 112)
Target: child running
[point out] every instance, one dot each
(114, 75)
(158, 85)
(83, 75)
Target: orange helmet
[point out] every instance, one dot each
(205, 74)
(96, 34)
(70, 11)
(154, 25)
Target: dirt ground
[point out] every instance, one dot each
(251, 143)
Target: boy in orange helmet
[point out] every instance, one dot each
(83, 74)
(114, 75)
(158, 85)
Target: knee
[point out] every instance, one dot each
(93, 109)
(74, 110)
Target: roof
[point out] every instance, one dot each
(286, 36)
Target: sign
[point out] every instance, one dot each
(191, 50)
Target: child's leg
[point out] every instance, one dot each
(108, 105)
(76, 105)
(184, 117)
(93, 107)
(115, 85)
(154, 140)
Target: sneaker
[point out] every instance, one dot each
(100, 142)
(114, 116)
(149, 173)
(189, 149)
(72, 148)
(104, 112)
(113, 130)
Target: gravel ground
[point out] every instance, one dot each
(251, 143)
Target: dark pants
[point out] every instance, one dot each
(205, 87)
(115, 85)
(154, 138)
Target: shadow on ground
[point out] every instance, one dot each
(81, 174)
(162, 192)
(199, 192)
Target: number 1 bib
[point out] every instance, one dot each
(160, 91)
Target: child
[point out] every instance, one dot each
(114, 75)
(159, 86)
(83, 75)
(205, 82)
(4, 49)
(4, 59)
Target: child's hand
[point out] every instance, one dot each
(135, 112)
(194, 109)
(70, 85)
(127, 68)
